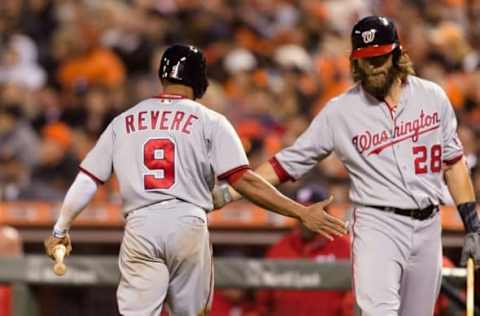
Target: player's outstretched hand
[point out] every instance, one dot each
(318, 220)
(51, 242)
(471, 248)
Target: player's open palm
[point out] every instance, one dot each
(318, 220)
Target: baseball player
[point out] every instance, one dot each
(166, 152)
(396, 135)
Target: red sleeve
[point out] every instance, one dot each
(91, 175)
(453, 160)
(233, 175)
(280, 171)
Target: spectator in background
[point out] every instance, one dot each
(302, 243)
(10, 242)
(126, 35)
(18, 63)
(234, 302)
(10, 246)
(19, 147)
(471, 104)
(83, 62)
(57, 166)
(98, 111)
(47, 109)
(231, 302)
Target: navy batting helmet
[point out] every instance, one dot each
(185, 65)
(311, 193)
(374, 36)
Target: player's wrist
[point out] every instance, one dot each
(301, 212)
(469, 216)
(59, 233)
(222, 195)
(226, 195)
(235, 196)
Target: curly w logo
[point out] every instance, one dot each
(368, 36)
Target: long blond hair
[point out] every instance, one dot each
(404, 67)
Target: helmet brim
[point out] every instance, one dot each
(373, 51)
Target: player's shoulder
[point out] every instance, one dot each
(424, 84)
(135, 108)
(343, 101)
(205, 110)
(198, 109)
(209, 115)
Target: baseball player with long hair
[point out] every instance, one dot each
(396, 135)
(166, 152)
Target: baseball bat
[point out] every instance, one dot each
(470, 288)
(59, 254)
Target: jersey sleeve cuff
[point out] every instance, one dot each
(282, 174)
(233, 174)
(452, 161)
(92, 176)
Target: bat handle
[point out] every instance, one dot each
(470, 286)
(59, 254)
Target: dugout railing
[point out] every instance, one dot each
(92, 271)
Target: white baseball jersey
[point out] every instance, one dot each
(393, 158)
(165, 148)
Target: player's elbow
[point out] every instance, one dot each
(246, 180)
(458, 168)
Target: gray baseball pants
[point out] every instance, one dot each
(397, 263)
(165, 257)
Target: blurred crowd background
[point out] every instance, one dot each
(67, 67)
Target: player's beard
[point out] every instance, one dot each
(377, 83)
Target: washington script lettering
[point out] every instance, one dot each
(374, 143)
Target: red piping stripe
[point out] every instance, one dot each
(227, 174)
(454, 160)
(353, 257)
(236, 176)
(208, 304)
(91, 175)
(392, 108)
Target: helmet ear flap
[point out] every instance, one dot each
(201, 83)
(201, 88)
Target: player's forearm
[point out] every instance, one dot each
(256, 189)
(266, 171)
(223, 194)
(77, 198)
(459, 183)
